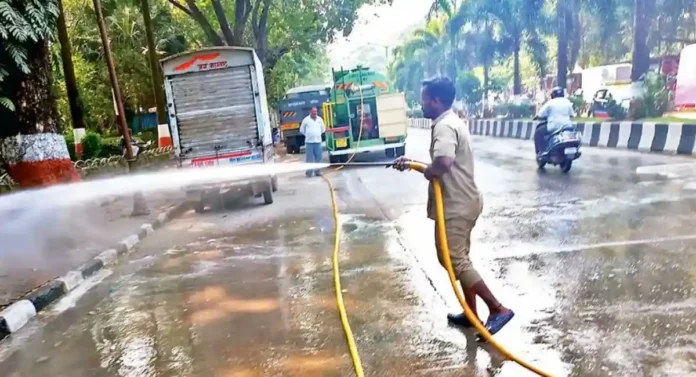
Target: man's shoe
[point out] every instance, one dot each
(459, 320)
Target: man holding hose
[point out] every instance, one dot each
(453, 165)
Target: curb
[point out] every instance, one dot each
(18, 314)
(675, 138)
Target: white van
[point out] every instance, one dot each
(218, 115)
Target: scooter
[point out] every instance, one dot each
(562, 147)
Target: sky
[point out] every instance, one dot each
(378, 27)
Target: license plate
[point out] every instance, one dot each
(341, 143)
(571, 150)
(289, 126)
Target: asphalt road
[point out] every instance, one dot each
(599, 265)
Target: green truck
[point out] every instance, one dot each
(364, 114)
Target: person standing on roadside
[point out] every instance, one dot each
(453, 165)
(313, 128)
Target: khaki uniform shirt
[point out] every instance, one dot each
(461, 197)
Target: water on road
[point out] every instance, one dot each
(599, 265)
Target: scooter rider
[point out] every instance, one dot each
(557, 113)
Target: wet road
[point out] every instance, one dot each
(599, 265)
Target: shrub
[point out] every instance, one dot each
(111, 148)
(511, 110)
(415, 113)
(654, 102)
(578, 104)
(615, 110)
(70, 143)
(91, 145)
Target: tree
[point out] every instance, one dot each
(31, 148)
(522, 22)
(562, 17)
(76, 109)
(157, 85)
(309, 21)
(641, 30)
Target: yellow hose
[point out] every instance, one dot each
(440, 213)
(352, 348)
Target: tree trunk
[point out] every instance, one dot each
(641, 30)
(32, 150)
(76, 109)
(561, 14)
(157, 84)
(517, 80)
(486, 84)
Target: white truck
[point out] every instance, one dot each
(218, 115)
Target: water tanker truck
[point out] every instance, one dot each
(364, 114)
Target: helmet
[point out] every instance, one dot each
(557, 92)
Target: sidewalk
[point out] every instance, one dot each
(34, 253)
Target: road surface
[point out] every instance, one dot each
(599, 265)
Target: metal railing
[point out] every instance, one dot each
(419, 123)
(95, 166)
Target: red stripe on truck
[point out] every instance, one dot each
(222, 156)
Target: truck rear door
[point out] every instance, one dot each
(216, 116)
(391, 115)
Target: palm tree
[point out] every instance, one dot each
(34, 152)
(430, 46)
(521, 23)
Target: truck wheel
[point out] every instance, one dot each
(334, 159)
(274, 183)
(199, 206)
(401, 151)
(268, 196)
(391, 152)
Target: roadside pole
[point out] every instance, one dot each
(139, 203)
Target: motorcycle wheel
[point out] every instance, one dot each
(540, 163)
(566, 165)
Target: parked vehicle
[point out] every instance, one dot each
(685, 95)
(365, 114)
(562, 147)
(218, 115)
(294, 107)
(599, 107)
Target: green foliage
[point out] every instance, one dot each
(654, 102)
(415, 113)
(469, 88)
(92, 145)
(23, 22)
(511, 110)
(70, 143)
(615, 110)
(578, 104)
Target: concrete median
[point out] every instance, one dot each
(677, 138)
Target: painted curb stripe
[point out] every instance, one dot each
(635, 136)
(676, 138)
(613, 140)
(594, 138)
(647, 137)
(687, 145)
(15, 316)
(660, 139)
